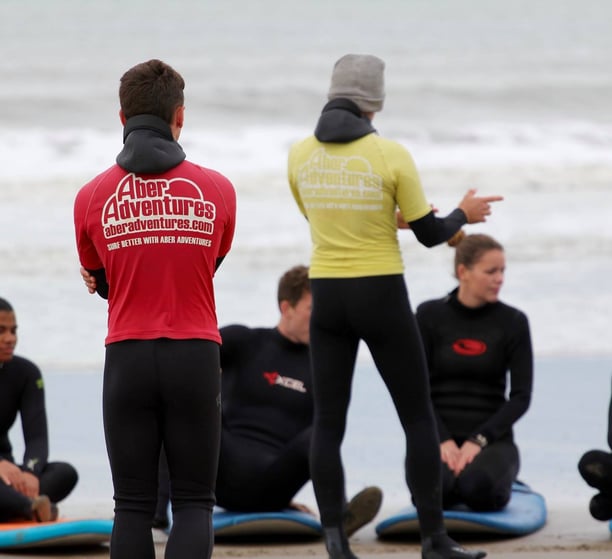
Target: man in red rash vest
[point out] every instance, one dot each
(152, 229)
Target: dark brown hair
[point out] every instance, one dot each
(5, 305)
(471, 248)
(152, 88)
(293, 284)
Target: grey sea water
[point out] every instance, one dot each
(567, 417)
(509, 98)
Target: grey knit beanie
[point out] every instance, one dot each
(360, 78)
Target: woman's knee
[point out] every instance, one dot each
(69, 474)
(481, 492)
(57, 480)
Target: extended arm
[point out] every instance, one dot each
(431, 230)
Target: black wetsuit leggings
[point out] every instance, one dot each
(252, 476)
(376, 310)
(162, 391)
(56, 480)
(486, 483)
(255, 478)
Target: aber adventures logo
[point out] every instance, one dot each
(274, 379)
(140, 205)
(333, 182)
(468, 346)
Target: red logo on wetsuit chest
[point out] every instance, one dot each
(271, 377)
(467, 346)
(274, 379)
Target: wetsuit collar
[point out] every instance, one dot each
(453, 300)
(341, 121)
(286, 341)
(149, 146)
(147, 122)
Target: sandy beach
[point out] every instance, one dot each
(569, 533)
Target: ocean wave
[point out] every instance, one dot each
(255, 149)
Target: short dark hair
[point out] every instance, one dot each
(293, 284)
(5, 305)
(472, 247)
(153, 88)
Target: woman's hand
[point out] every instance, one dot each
(467, 453)
(458, 458)
(477, 208)
(450, 454)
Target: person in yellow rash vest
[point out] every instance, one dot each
(349, 183)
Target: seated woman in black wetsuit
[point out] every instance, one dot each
(595, 467)
(472, 341)
(27, 491)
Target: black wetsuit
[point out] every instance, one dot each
(267, 418)
(595, 466)
(22, 392)
(470, 352)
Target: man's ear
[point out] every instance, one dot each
(122, 117)
(179, 116)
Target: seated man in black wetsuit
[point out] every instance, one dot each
(595, 467)
(27, 491)
(268, 413)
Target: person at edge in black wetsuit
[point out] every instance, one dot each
(472, 341)
(595, 466)
(349, 183)
(29, 491)
(267, 414)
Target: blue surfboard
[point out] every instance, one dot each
(285, 524)
(63, 532)
(525, 513)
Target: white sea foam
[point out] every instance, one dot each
(254, 149)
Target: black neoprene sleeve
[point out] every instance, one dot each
(431, 230)
(101, 283)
